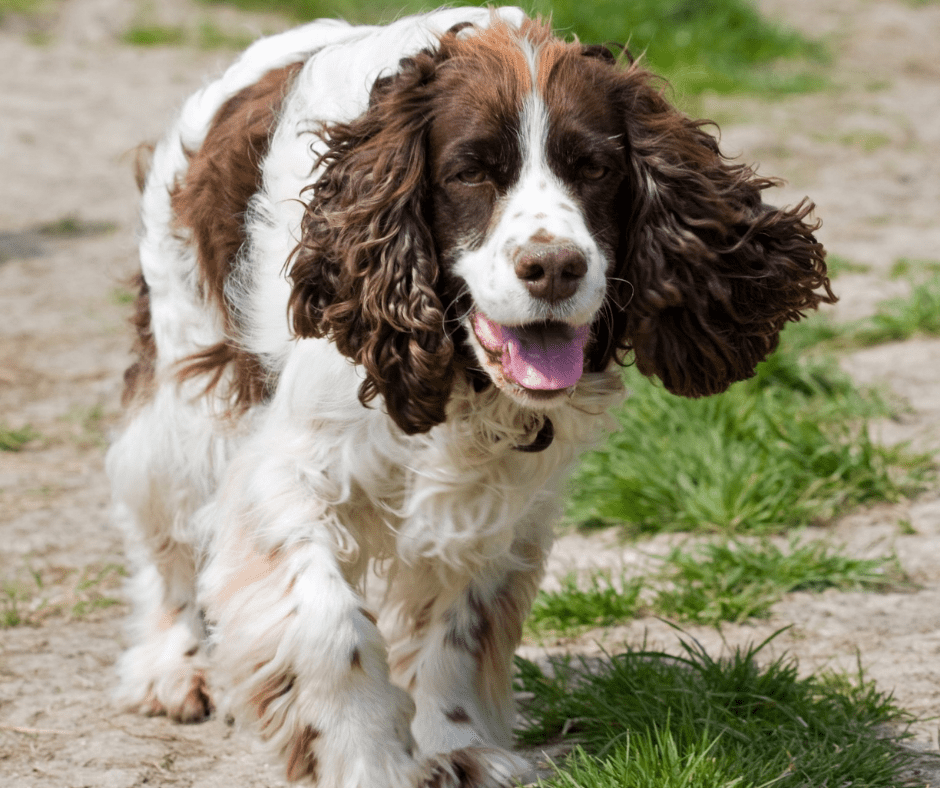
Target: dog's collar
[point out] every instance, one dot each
(542, 440)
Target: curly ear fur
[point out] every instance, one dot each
(707, 273)
(365, 270)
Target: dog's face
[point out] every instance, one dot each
(527, 177)
(535, 209)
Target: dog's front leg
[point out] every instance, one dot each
(295, 653)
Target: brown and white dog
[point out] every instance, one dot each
(387, 277)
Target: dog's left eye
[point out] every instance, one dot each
(593, 172)
(473, 176)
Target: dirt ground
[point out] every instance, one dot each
(74, 101)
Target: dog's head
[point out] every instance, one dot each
(536, 209)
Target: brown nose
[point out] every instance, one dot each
(551, 272)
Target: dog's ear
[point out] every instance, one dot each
(610, 52)
(707, 273)
(365, 271)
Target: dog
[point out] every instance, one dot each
(388, 276)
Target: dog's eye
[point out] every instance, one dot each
(472, 176)
(593, 172)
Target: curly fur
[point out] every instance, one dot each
(366, 273)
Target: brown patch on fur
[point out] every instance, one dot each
(459, 715)
(469, 633)
(423, 617)
(275, 687)
(250, 384)
(355, 661)
(139, 376)
(197, 705)
(497, 54)
(143, 158)
(542, 236)
(301, 760)
(459, 769)
(211, 202)
(369, 615)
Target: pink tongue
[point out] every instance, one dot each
(539, 358)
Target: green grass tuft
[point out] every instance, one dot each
(210, 36)
(729, 580)
(20, 7)
(836, 264)
(902, 318)
(572, 609)
(758, 724)
(206, 36)
(649, 759)
(734, 580)
(905, 267)
(72, 226)
(784, 449)
(15, 439)
(154, 35)
(723, 46)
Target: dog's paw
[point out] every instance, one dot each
(477, 767)
(184, 700)
(174, 687)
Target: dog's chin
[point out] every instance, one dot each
(538, 365)
(533, 399)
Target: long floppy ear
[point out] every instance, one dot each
(365, 271)
(708, 274)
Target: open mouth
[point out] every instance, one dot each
(540, 357)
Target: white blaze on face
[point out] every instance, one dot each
(538, 206)
(531, 342)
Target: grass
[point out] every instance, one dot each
(650, 759)
(734, 580)
(836, 264)
(73, 226)
(725, 580)
(154, 35)
(206, 36)
(902, 318)
(29, 597)
(906, 267)
(20, 7)
(15, 439)
(572, 608)
(782, 450)
(645, 718)
(15, 597)
(88, 425)
(723, 46)
(895, 320)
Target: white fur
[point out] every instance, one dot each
(269, 523)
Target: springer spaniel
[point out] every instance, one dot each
(387, 277)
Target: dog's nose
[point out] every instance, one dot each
(551, 271)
